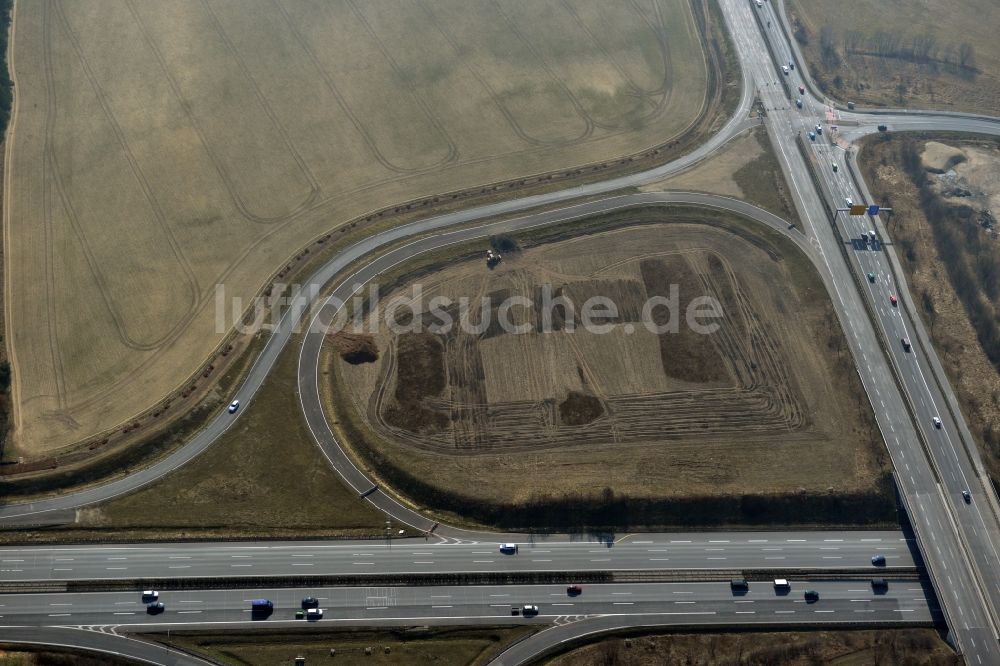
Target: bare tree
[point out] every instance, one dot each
(827, 47)
(966, 56)
(852, 41)
(924, 47)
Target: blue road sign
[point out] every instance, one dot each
(873, 209)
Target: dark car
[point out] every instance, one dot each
(879, 584)
(739, 584)
(155, 608)
(905, 343)
(967, 496)
(883, 128)
(574, 590)
(310, 602)
(811, 596)
(878, 560)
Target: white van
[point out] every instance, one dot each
(508, 548)
(781, 584)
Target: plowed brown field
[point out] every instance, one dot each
(769, 402)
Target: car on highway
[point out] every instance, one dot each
(233, 406)
(299, 614)
(310, 602)
(894, 300)
(849, 201)
(529, 609)
(835, 167)
(883, 128)
(879, 583)
(150, 595)
(967, 496)
(784, 69)
(871, 278)
(261, 608)
(739, 585)
(798, 102)
(155, 608)
(812, 136)
(508, 548)
(937, 422)
(878, 560)
(811, 596)
(314, 613)
(760, 3)
(791, 64)
(781, 584)
(905, 343)
(574, 590)
(802, 90)
(819, 128)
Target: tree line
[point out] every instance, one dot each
(923, 48)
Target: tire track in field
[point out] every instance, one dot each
(452, 152)
(494, 97)
(314, 187)
(58, 368)
(192, 294)
(189, 114)
(342, 102)
(577, 106)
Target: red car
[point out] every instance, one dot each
(892, 299)
(574, 590)
(802, 90)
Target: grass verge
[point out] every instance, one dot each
(447, 646)
(264, 478)
(918, 647)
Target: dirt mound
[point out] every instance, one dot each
(355, 348)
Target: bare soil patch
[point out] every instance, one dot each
(355, 348)
(579, 409)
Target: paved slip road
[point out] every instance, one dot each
(737, 550)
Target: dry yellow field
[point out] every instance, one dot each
(160, 149)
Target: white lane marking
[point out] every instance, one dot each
(188, 612)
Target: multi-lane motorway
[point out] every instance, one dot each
(676, 551)
(932, 465)
(701, 603)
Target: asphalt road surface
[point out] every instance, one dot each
(737, 550)
(712, 603)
